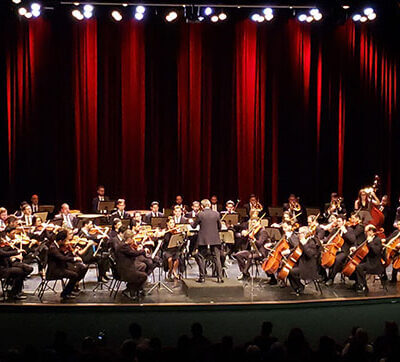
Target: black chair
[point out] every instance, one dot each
(116, 280)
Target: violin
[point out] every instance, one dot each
(271, 264)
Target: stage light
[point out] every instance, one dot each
(116, 15)
(222, 16)
(269, 16)
(267, 11)
(139, 16)
(302, 17)
(22, 11)
(172, 15)
(88, 8)
(255, 17)
(28, 15)
(363, 19)
(309, 19)
(346, 7)
(372, 16)
(214, 18)
(77, 14)
(16, 1)
(140, 9)
(200, 18)
(318, 17)
(35, 13)
(368, 11)
(356, 17)
(208, 11)
(314, 12)
(124, 5)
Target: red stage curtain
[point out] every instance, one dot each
(85, 89)
(250, 70)
(133, 113)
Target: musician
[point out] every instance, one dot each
(26, 217)
(19, 212)
(395, 234)
(126, 255)
(171, 255)
(253, 204)
(34, 203)
(215, 206)
(336, 206)
(372, 263)
(12, 221)
(296, 210)
(89, 254)
(195, 210)
(385, 208)
(257, 238)
(116, 237)
(154, 212)
(314, 224)
(63, 264)
(208, 240)
(178, 215)
(137, 221)
(120, 213)
(307, 266)
(14, 271)
(69, 220)
(99, 197)
(397, 217)
(3, 218)
(358, 228)
(350, 241)
(179, 202)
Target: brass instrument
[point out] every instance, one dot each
(294, 206)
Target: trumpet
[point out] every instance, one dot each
(294, 205)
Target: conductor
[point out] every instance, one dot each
(208, 240)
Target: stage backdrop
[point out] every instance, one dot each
(154, 109)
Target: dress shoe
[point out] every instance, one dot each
(240, 276)
(220, 280)
(75, 294)
(329, 282)
(272, 281)
(18, 297)
(103, 280)
(67, 297)
(200, 280)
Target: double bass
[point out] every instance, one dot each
(377, 217)
(271, 264)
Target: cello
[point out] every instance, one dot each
(290, 262)
(271, 264)
(392, 247)
(331, 248)
(356, 258)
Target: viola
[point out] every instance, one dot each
(290, 262)
(356, 258)
(271, 264)
(331, 248)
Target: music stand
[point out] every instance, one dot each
(126, 222)
(42, 215)
(275, 211)
(242, 212)
(231, 220)
(46, 208)
(107, 206)
(168, 212)
(273, 233)
(159, 222)
(227, 237)
(175, 241)
(313, 211)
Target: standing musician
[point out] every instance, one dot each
(307, 266)
(69, 220)
(178, 215)
(171, 255)
(154, 212)
(101, 196)
(336, 206)
(126, 253)
(341, 257)
(34, 203)
(179, 202)
(208, 240)
(3, 218)
(215, 206)
(120, 213)
(91, 252)
(372, 263)
(363, 204)
(62, 263)
(253, 204)
(256, 237)
(295, 208)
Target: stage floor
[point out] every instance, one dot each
(255, 291)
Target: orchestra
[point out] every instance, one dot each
(292, 250)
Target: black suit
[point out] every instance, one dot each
(125, 259)
(208, 240)
(218, 207)
(117, 215)
(70, 219)
(96, 203)
(147, 218)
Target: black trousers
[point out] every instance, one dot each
(101, 259)
(244, 259)
(361, 273)
(203, 252)
(338, 265)
(135, 281)
(295, 280)
(74, 273)
(16, 275)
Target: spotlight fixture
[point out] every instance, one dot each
(139, 16)
(16, 1)
(77, 14)
(257, 18)
(28, 15)
(140, 9)
(22, 11)
(369, 14)
(171, 16)
(88, 11)
(35, 9)
(76, 4)
(214, 18)
(208, 11)
(314, 14)
(124, 5)
(222, 16)
(346, 7)
(116, 15)
(302, 17)
(200, 18)
(368, 11)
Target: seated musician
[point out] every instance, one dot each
(11, 266)
(342, 255)
(171, 255)
(179, 202)
(296, 210)
(397, 217)
(116, 238)
(336, 206)
(26, 218)
(313, 224)
(34, 203)
(195, 210)
(69, 220)
(215, 206)
(115, 226)
(101, 196)
(120, 213)
(307, 265)
(372, 263)
(253, 204)
(358, 228)
(178, 215)
(394, 235)
(90, 253)
(126, 254)
(154, 212)
(3, 218)
(291, 237)
(20, 212)
(256, 239)
(137, 221)
(12, 221)
(62, 263)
